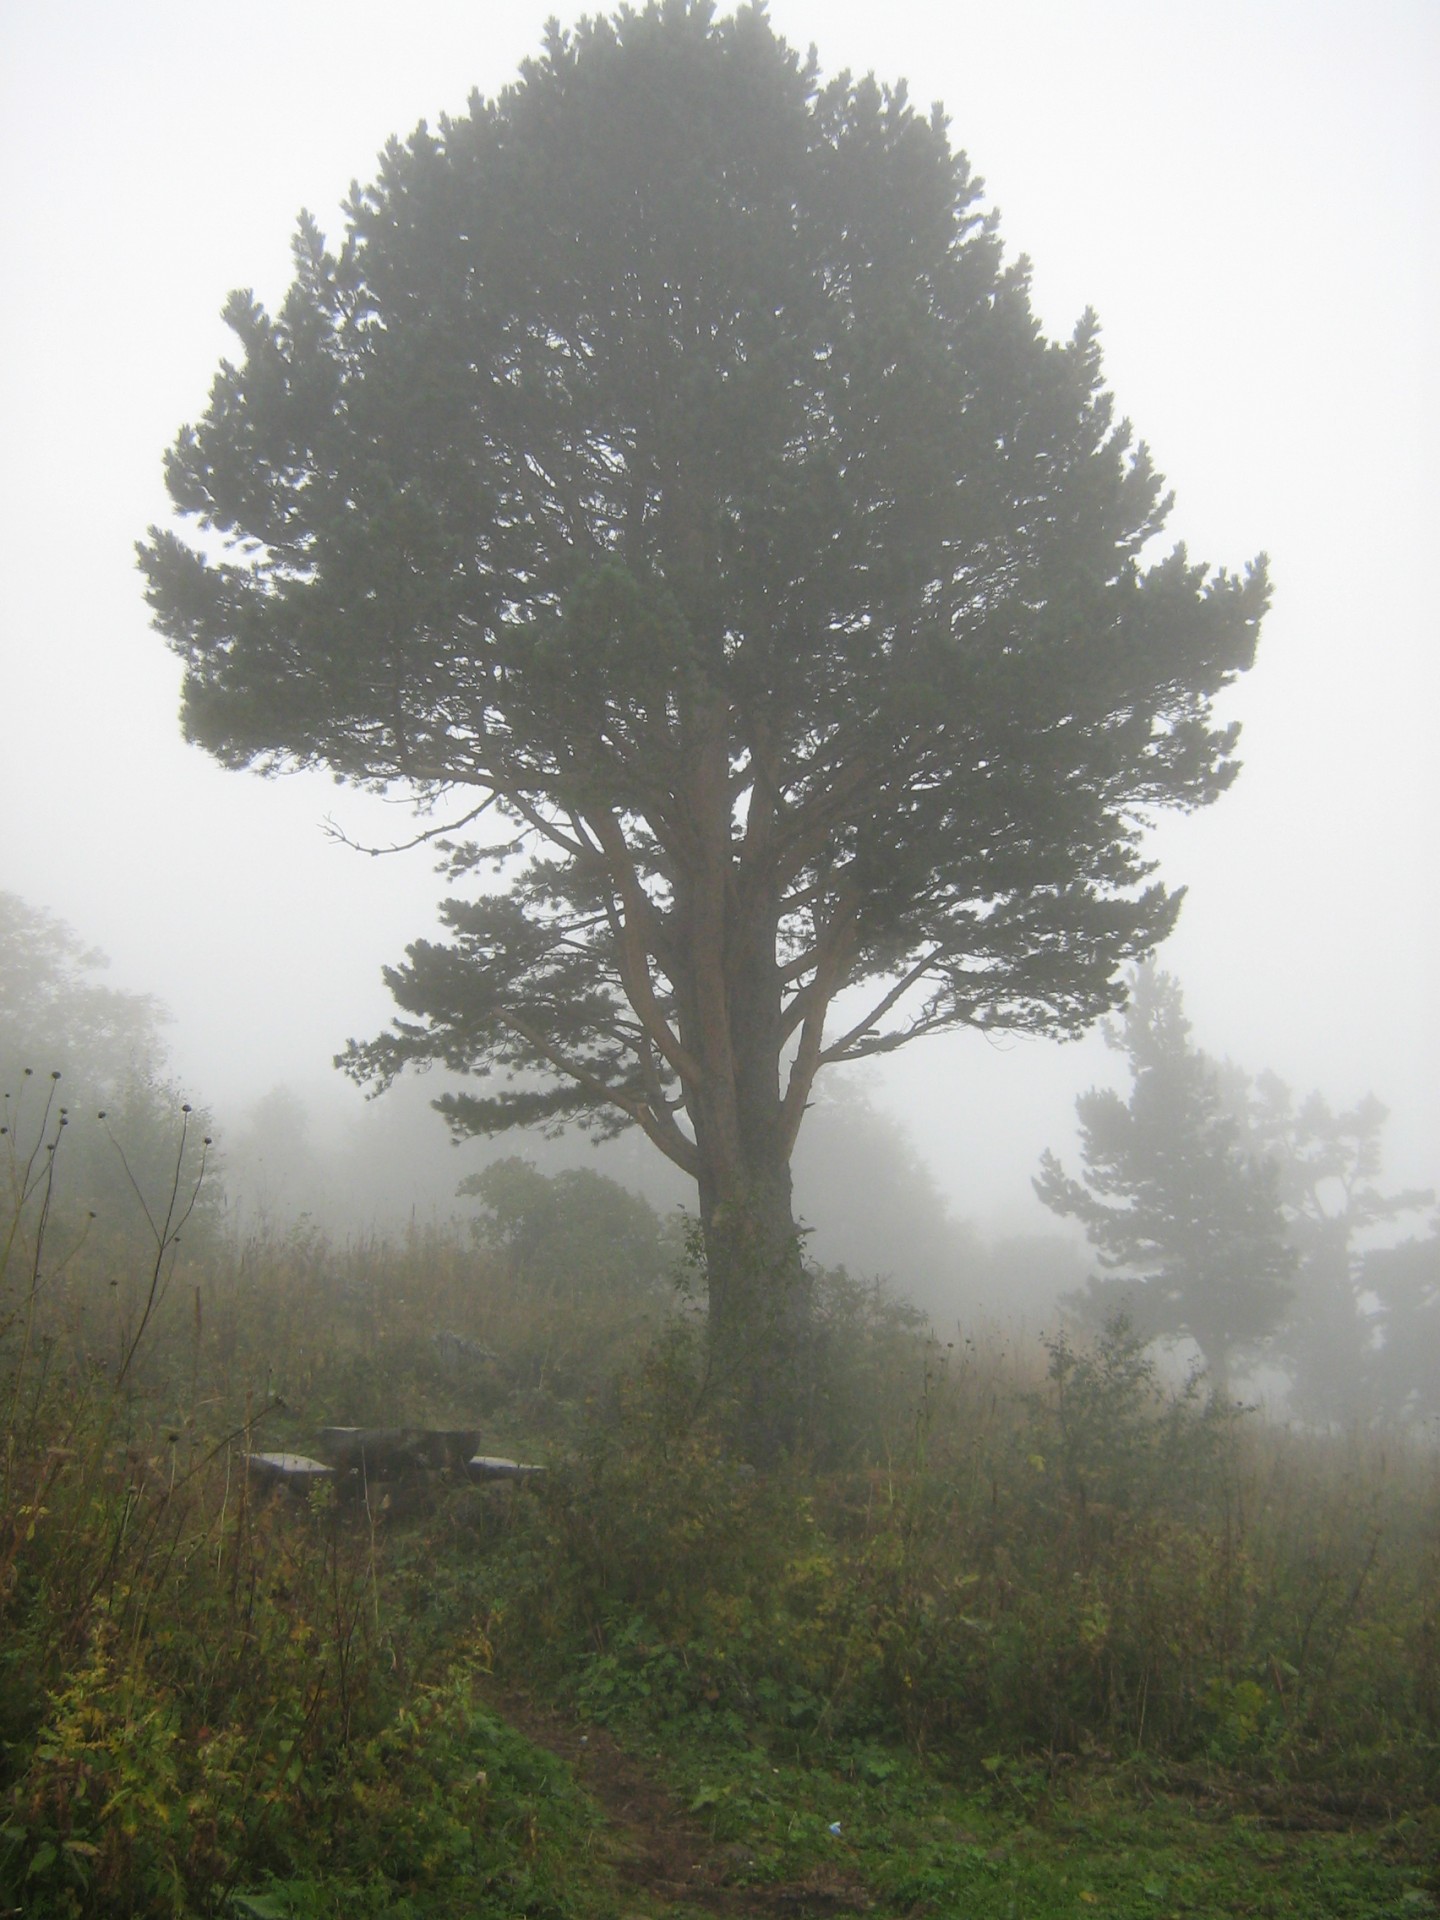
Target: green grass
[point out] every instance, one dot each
(796, 1837)
(762, 1837)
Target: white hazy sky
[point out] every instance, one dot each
(1247, 193)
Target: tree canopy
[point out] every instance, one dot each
(667, 472)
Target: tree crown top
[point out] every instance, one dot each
(669, 459)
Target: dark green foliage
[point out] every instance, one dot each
(1087, 1565)
(668, 467)
(1175, 1200)
(573, 1230)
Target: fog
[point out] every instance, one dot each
(1247, 195)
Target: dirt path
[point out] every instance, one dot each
(662, 1855)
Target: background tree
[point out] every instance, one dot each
(1402, 1363)
(106, 1049)
(1184, 1213)
(56, 1013)
(574, 1230)
(669, 465)
(273, 1173)
(1328, 1166)
(871, 1204)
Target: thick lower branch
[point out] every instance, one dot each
(635, 941)
(659, 1128)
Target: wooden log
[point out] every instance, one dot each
(396, 1453)
(297, 1471)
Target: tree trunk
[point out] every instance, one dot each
(760, 1320)
(1216, 1345)
(761, 1332)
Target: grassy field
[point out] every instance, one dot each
(1024, 1633)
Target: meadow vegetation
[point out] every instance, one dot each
(1021, 1631)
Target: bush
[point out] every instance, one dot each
(575, 1231)
(1092, 1564)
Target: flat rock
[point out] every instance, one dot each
(288, 1469)
(489, 1466)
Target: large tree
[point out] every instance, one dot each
(669, 467)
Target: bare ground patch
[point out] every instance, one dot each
(660, 1854)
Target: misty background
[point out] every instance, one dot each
(1248, 195)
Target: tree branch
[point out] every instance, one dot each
(659, 1128)
(842, 1048)
(334, 831)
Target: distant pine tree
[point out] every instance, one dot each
(1182, 1209)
